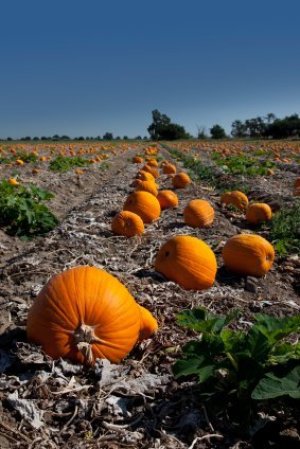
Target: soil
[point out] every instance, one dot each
(55, 404)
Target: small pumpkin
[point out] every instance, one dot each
(199, 214)
(85, 313)
(152, 163)
(147, 186)
(167, 199)
(188, 261)
(13, 182)
(143, 204)
(137, 160)
(20, 162)
(258, 213)
(169, 169)
(127, 223)
(181, 180)
(145, 176)
(248, 254)
(235, 198)
(154, 172)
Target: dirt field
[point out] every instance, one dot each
(137, 404)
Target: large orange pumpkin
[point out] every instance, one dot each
(181, 180)
(145, 176)
(143, 204)
(85, 313)
(137, 160)
(199, 213)
(258, 213)
(235, 198)
(248, 254)
(167, 199)
(188, 261)
(127, 223)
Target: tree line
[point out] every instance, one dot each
(162, 128)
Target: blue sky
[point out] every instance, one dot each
(84, 68)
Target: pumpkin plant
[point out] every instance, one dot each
(22, 211)
(236, 366)
(85, 313)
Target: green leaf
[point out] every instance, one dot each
(272, 386)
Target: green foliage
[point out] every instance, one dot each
(162, 128)
(26, 157)
(257, 364)
(217, 132)
(285, 230)
(197, 169)
(66, 163)
(242, 165)
(22, 212)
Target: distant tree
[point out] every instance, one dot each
(217, 132)
(44, 138)
(145, 138)
(118, 138)
(9, 139)
(35, 138)
(125, 137)
(162, 128)
(79, 138)
(108, 136)
(64, 137)
(138, 138)
(238, 129)
(270, 117)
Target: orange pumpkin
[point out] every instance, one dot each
(147, 186)
(143, 204)
(152, 163)
(199, 213)
(169, 169)
(181, 180)
(188, 261)
(258, 212)
(154, 172)
(137, 160)
(85, 313)
(167, 199)
(235, 198)
(145, 176)
(13, 182)
(248, 254)
(127, 223)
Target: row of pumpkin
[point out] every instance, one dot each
(85, 313)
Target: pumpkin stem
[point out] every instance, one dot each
(84, 336)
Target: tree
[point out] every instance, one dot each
(162, 128)
(108, 136)
(238, 129)
(202, 133)
(217, 132)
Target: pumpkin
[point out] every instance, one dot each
(145, 176)
(13, 182)
(258, 212)
(198, 214)
(235, 198)
(127, 223)
(152, 170)
(20, 162)
(143, 204)
(167, 199)
(85, 313)
(188, 261)
(147, 186)
(297, 183)
(248, 254)
(152, 163)
(169, 169)
(181, 180)
(137, 160)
